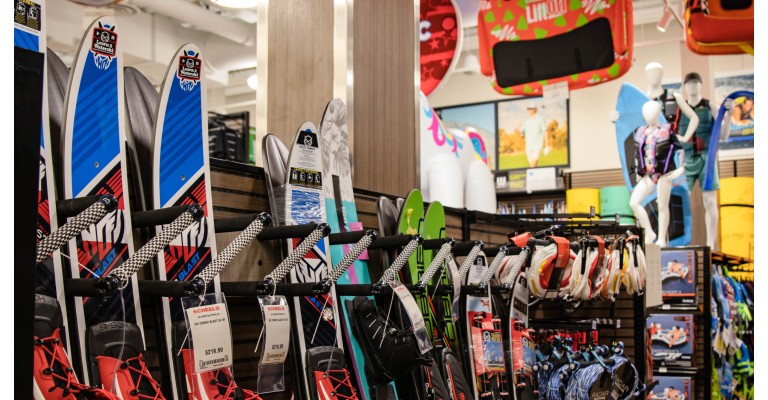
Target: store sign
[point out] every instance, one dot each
(439, 33)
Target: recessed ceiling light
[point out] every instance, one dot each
(235, 3)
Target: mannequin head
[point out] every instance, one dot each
(653, 73)
(692, 84)
(651, 112)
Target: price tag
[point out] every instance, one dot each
(414, 314)
(275, 344)
(210, 335)
(520, 300)
(663, 369)
(453, 276)
(277, 329)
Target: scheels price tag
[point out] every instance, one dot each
(210, 330)
(277, 329)
(414, 314)
(275, 344)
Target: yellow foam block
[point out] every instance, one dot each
(737, 231)
(580, 200)
(739, 190)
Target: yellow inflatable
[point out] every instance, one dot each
(737, 216)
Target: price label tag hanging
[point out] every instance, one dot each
(210, 336)
(414, 314)
(453, 276)
(275, 339)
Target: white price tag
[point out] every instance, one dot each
(663, 369)
(414, 314)
(277, 329)
(453, 276)
(520, 300)
(275, 344)
(211, 335)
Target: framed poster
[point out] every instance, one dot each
(478, 123)
(742, 119)
(741, 140)
(532, 133)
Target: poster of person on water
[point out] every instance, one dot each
(743, 117)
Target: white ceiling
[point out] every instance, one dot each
(158, 27)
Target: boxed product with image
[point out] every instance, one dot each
(672, 388)
(678, 276)
(672, 337)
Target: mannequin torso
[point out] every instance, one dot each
(656, 149)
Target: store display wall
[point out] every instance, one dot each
(591, 131)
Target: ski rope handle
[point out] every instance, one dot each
(517, 266)
(354, 253)
(402, 258)
(445, 250)
(156, 244)
(488, 274)
(94, 213)
(233, 249)
(469, 260)
(298, 253)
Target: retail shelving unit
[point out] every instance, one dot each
(702, 313)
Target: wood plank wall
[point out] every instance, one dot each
(385, 150)
(300, 81)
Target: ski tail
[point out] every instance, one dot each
(329, 378)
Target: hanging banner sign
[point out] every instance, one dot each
(439, 33)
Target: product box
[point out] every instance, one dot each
(672, 338)
(672, 388)
(678, 277)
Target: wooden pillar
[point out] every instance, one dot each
(386, 93)
(362, 51)
(295, 64)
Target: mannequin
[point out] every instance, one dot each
(672, 105)
(696, 149)
(656, 146)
